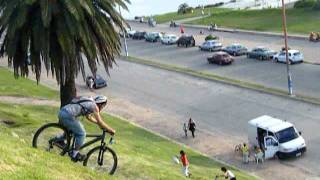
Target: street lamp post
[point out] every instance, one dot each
(124, 36)
(284, 25)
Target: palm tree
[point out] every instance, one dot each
(60, 35)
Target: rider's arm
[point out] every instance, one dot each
(96, 118)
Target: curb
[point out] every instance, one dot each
(224, 80)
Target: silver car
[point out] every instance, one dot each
(211, 45)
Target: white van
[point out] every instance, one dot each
(275, 137)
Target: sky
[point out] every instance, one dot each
(152, 7)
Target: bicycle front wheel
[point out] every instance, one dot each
(52, 138)
(102, 159)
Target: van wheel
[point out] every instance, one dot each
(280, 156)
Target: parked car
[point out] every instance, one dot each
(236, 50)
(294, 56)
(211, 45)
(128, 32)
(169, 39)
(221, 58)
(261, 53)
(153, 37)
(98, 82)
(186, 41)
(139, 35)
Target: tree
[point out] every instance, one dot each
(60, 35)
(182, 9)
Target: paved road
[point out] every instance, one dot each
(271, 74)
(309, 49)
(216, 107)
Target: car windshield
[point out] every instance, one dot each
(286, 135)
(296, 54)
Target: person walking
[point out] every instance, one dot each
(185, 164)
(192, 127)
(245, 153)
(185, 129)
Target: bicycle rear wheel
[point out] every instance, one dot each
(52, 138)
(103, 160)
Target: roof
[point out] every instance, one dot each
(270, 123)
(293, 51)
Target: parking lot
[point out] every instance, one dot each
(267, 73)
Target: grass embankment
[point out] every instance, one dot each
(162, 18)
(142, 155)
(299, 21)
(9, 86)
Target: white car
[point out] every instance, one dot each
(131, 32)
(169, 39)
(295, 56)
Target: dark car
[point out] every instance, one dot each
(139, 35)
(153, 37)
(221, 58)
(261, 53)
(186, 41)
(98, 82)
(236, 50)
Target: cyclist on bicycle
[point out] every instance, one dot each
(83, 106)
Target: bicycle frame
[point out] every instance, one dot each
(97, 137)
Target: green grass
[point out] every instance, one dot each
(175, 16)
(142, 155)
(23, 87)
(300, 21)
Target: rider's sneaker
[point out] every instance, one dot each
(79, 157)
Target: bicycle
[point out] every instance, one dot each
(100, 158)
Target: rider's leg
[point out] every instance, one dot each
(75, 126)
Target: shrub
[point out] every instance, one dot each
(316, 5)
(211, 37)
(305, 4)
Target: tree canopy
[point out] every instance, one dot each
(59, 35)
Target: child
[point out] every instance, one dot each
(185, 163)
(185, 129)
(228, 174)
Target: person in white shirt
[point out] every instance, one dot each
(228, 174)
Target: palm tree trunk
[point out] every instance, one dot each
(67, 90)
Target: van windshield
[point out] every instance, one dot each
(286, 135)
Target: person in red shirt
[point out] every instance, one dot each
(185, 164)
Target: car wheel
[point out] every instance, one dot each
(290, 61)
(277, 60)
(234, 54)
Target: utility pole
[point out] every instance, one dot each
(124, 36)
(284, 25)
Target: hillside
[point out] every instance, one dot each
(299, 21)
(141, 154)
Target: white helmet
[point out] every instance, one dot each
(100, 99)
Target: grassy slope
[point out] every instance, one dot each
(175, 16)
(142, 155)
(300, 21)
(23, 87)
